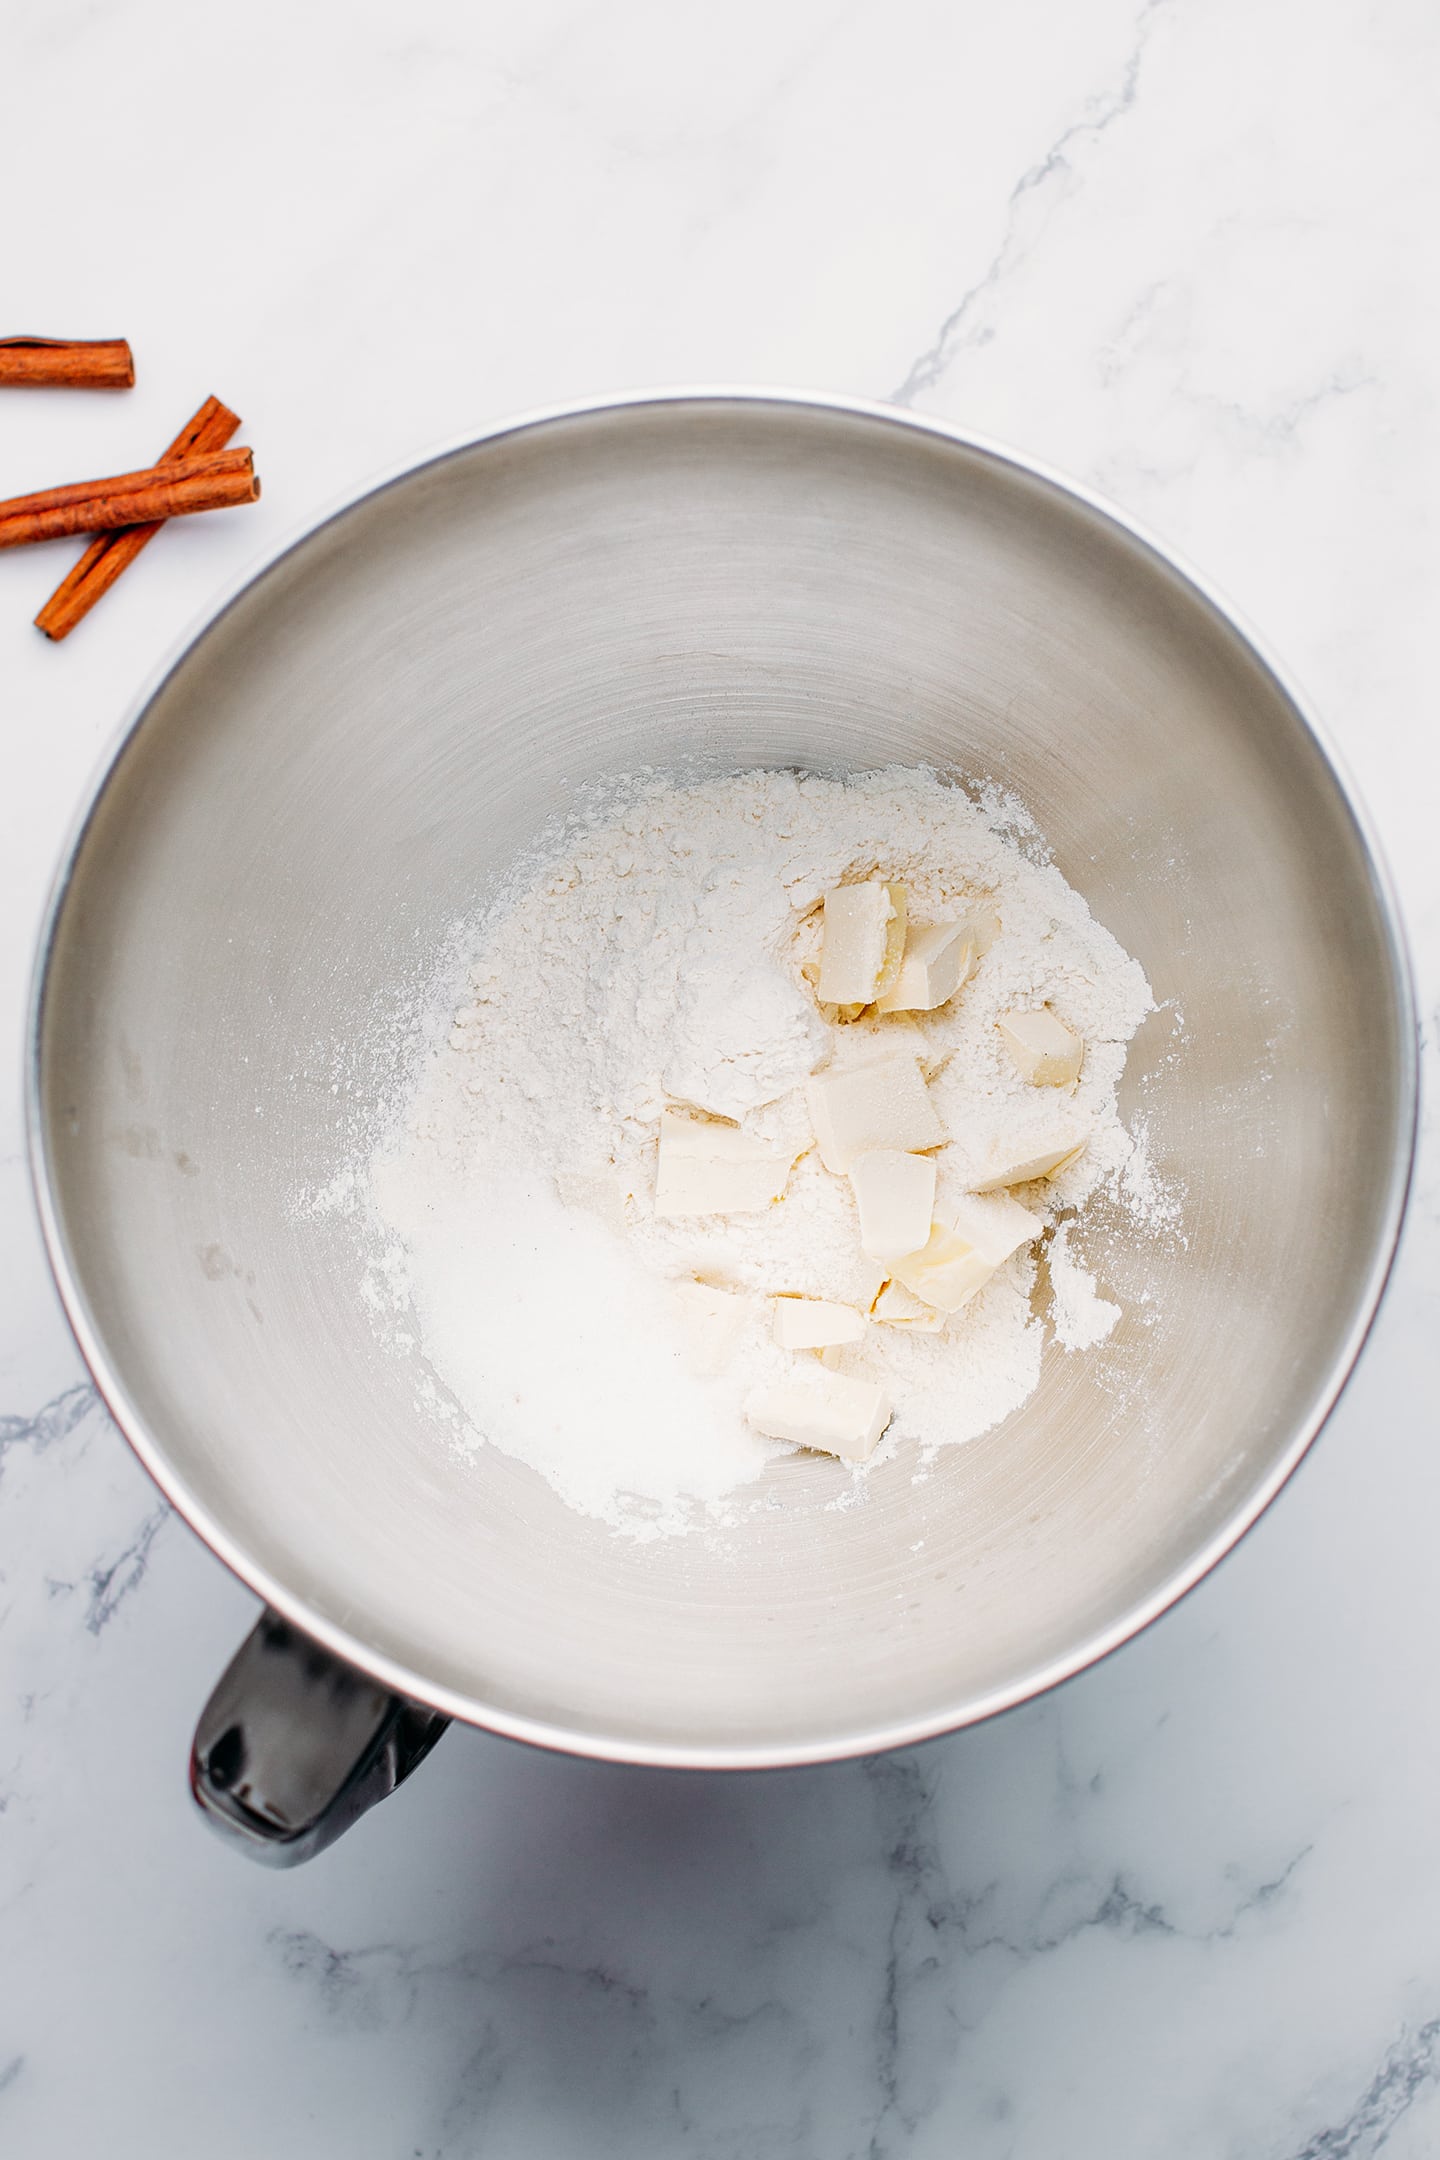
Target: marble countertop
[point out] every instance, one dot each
(1190, 1904)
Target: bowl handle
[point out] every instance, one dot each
(294, 1746)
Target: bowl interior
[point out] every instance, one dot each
(325, 783)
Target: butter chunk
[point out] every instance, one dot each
(938, 961)
(895, 1194)
(960, 1257)
(1045, 1051)
(896, 931)
(862, 942)
(898, 1307)
(837, 1015)
(711, 1324)
(995, 1225)
(1017, 1162)
(825, 1410)
(803, 1323)
(882, 1103)
(709, 1169)
(946, 1272)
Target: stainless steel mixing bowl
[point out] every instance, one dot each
(323, 782)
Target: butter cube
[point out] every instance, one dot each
(825, 1410)
(895, 1194)
(882, 1103)
(1045, 1051)
(711, 1324)
(996, 1225)
(710, 1169)
(895, 934)
(958, 1260)
(862, 942)
(1039, 1155)
(898, 1307)
(946, 1272)
(803, 1323)
(836, 1015)
(938, 961)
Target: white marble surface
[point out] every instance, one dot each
(1189, 1906)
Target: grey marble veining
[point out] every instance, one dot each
(1189, 1905)
(1057, 171)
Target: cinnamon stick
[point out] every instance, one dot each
(176, 489)
(112, 552)
(67, 363)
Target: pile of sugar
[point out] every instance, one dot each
(655, 961)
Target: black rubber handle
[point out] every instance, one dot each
(294, 1746)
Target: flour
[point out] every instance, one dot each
(656, 961)
(1080, 1316)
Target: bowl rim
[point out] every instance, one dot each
(874, 1739)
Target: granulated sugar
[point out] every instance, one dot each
(656, 962)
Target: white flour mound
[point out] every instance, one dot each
(658, 961)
